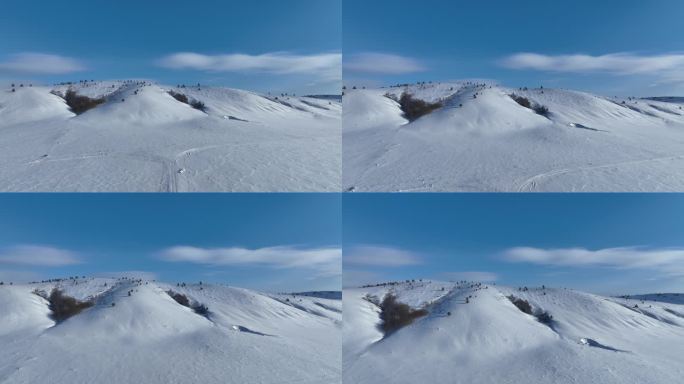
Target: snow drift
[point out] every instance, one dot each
(475, 334)
(143, 139)
(483, 140)
(136, 332)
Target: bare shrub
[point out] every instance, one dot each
(522, 305)
(541, 110)
(180, 298)
(396, 315)
(80, 104)
(414, 108)
(179, 96)
(201, 309)
(183, 300)
(198, 105)
(544, 317)
(525, 102)
(64, 307)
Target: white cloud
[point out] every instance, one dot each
(667, 260)
(667, 65)
(41, 64)
(323, 65)
(37, 255)
(471, 276)
(327, 261)
(377, 255)
(385, 63)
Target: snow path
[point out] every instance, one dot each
(532, 184)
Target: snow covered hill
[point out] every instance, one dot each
(481, 139)
(475, 334)
(137, 333)
(143, 139)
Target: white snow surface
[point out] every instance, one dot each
(147, 337)
(491, 143)
(592, 338)
(244, 142)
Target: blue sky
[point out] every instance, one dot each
(291, 46)
(604, 243)
(628, 47)
(272, 242)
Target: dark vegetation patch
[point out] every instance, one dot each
(63, 306)
(183, 300)
(80, 104)
(395, 315)
(179, 96)
(414, 108)
(525, 102)
(524, 306)
(198, 105)
(541, 110)
(180, 298)
(201, 309)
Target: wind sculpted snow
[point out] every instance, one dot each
(483, 140)
(474, 334)
(136, 332)
(142, 139)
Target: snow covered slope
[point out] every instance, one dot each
(483, 140)
(142, 139)
(475, 334)
(147, 337)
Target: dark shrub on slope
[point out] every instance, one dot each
(180, 298)
(414, 108)
(201, 309)
(541, 110)
(396, 315)
(180, 97)
(63, 306)
(198, 105)
(79, 104)
(525, 102)
(544, 317)
(523, 305)
(183, 300)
